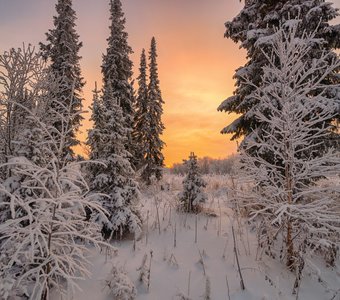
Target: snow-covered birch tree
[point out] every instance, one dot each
(297, 212)
(20, 71)
(45, 243)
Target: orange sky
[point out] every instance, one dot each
(196, 63)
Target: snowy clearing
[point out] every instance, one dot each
(177, 272)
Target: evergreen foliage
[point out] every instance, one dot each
(113, 176)
(117, 68)
(193, 184)
(110, 137)
(153, 145)
(141, 113)
(255, 25)
(62, 52)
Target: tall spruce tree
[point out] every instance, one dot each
(62, 50)
(141, 110)
(113, 175)
(110, 139)
(117, 67)
(153, 157)
(255, 25)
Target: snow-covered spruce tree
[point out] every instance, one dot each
(107, 141)
(192, 195)
(62, 52)
(140, 126)
(298, 214)
(44, 243)
(255, 24)
(117, 68)
(153, 157)
(95, 141)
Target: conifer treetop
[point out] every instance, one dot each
(62, 52)
(142, 83)
(141, 110)
(154, 89)
(117, 66)
(153, 145)
(63, 44)
(255, 25)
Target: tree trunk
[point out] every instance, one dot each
(290, 246)
(289, 193)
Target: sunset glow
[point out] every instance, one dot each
(196, 63)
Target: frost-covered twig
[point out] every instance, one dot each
(238, 263)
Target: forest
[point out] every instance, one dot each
(108, 219)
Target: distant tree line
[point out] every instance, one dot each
(208, 165)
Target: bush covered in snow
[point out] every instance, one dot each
(119, 285)
(192, 195)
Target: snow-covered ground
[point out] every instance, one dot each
(187, 269)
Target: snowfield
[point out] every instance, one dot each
(182, 268)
